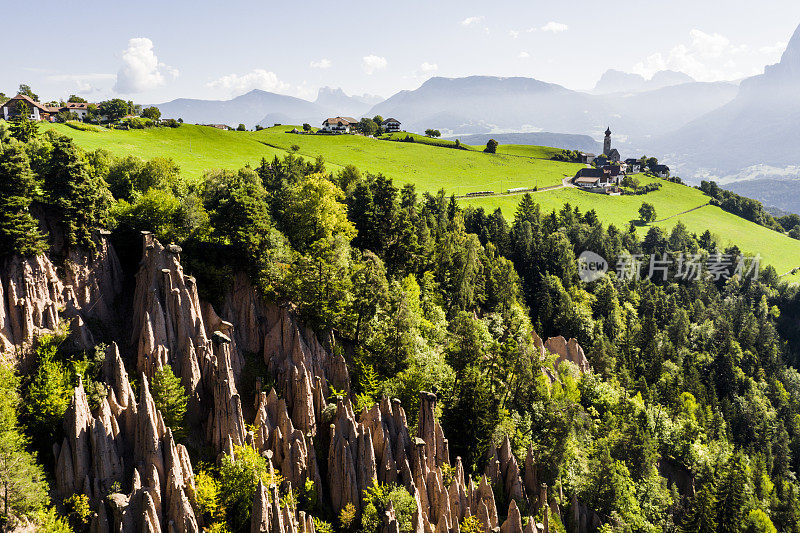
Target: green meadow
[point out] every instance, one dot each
(430, 168)
(433, 164)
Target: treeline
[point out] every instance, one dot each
(690, 419)
(746, 208)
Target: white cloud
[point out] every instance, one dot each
(470, 21)
(322, 63)
(373, 63)
(523, 55)
(255, 79)
(774, 50)
(513, 33)
(429, 67)
(555, 27)
(84, 83)
(708, 57)
(141, 70)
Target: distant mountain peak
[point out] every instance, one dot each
(617, 81)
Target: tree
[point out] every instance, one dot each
(76, 99)
(367, 126)
(153, 113)
(114, 109)
(433, 133)
(491, 146)
(25, 90)
(19, 231)
(241, 127)
(239, 213)
(23, 489)
(170, 398)
(80, 196)
(314, 211)
(647, 212)
(238, 479)
(23, 128)
(758, 522)
(48, 393)
(306, 127)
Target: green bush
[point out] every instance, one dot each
(376, 501)
(82, 126)
(239, 476)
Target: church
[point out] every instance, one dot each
(611, 153)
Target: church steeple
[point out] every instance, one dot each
(607, 142)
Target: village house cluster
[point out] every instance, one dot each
(41, 112)
(350, 125)
(606, 171)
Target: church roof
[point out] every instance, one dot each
(608, 131)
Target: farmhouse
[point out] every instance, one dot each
(662, 171)
(589, 178)
(37, 111)
(81, 109)
(339, 125)
(633, 166)
(587, 159)
(391, 125)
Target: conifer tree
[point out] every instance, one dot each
(19, 233)
(170, 398)
(82, 199)
(23, 128)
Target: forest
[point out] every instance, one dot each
(688, 420)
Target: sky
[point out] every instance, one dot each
(155, 51)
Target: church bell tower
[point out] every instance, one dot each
(607, 142)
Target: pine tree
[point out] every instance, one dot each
(731, 496)
(23, 488)
(170, 398)
(19, 233)
(701, 518)
(23, 128)
(82, 199)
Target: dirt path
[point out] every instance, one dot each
(679, 214)
(564, 183)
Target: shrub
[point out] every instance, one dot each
(470, 524)
(239, 476)
(78, 510)
(376, 500)
(207, 494)
(49, 521)
(347, 517)
(321, 526)
(491, 147)
(82, 126)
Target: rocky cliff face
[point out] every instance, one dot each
(35, 298)
(125, 459)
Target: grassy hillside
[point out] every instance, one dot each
(672, 203)
(196, 148)
(431, 165)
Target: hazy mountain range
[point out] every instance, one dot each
(266, 108)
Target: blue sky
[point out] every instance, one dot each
(156, 51)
